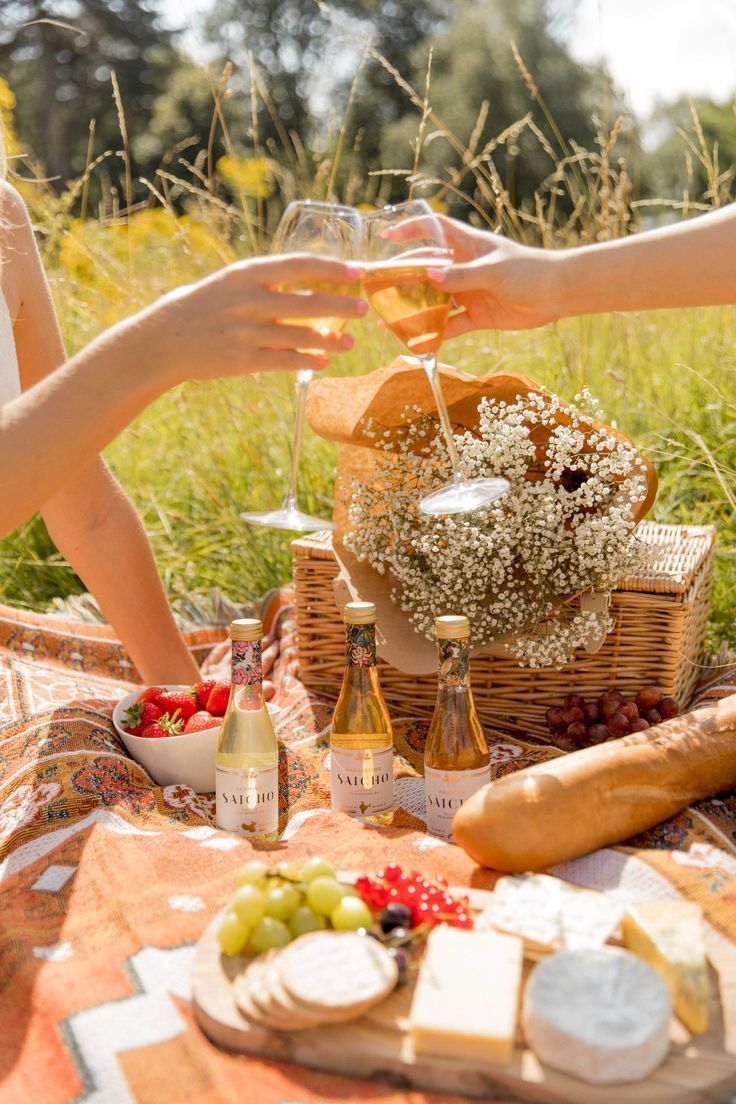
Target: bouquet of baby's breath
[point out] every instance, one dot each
(566, 527)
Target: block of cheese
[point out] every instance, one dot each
(601, 1015)
(669, 936)
(549, 914)
(467, 994)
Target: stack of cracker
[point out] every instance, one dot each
(323, 977)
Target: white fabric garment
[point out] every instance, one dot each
(9, 377)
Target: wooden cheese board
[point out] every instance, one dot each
(377, 1047)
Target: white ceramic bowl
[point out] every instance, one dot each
(188, 757)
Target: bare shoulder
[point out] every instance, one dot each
(17, 246)
(13, 211)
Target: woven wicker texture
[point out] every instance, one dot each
(659, 636)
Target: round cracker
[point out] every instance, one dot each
(336, 972)
(260, 986)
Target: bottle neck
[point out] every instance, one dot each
(247, 675)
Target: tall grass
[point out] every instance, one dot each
(204, 452)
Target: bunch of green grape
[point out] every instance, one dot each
(272, 906)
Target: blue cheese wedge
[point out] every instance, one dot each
(467, 995)
(669, 936)
(602, 1015)
(550, 915)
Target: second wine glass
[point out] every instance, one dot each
(398, 287)
(333, 230)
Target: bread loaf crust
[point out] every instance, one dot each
(576, 803)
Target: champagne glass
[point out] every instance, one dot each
(331, 230)
(396, 283)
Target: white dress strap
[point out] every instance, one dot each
(9, 375)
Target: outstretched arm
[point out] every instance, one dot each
(224, 325)
(503, 285)
(51, 435)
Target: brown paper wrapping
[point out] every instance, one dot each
(338, 410)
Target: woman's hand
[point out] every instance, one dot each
(230, 323)
(496, 283)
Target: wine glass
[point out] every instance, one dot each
(396, 283)
(331, 230)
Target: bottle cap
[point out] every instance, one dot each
(359, 613)
(246, 628)
(451, 626)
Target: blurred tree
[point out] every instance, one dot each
(694, 158)
(307, 55)
(58, 56)
(473, 62)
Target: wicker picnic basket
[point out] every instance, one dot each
(659, 636)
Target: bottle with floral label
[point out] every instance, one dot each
(361, 736)
(247, 757)
(456, 757)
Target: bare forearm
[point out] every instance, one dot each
(112, 556)
(99, 391)
(687, 265)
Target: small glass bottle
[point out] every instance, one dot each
(456, 757)
(247, 757)
(361, 736)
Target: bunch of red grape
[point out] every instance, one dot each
(578, 723)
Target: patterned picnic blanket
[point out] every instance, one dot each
(108, 880)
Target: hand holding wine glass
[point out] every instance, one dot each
(397, 283)
(325, 229)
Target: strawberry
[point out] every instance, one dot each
(218, 699)
(201, 720)
(140, 714)
(183, 701)
(150, 694)
(162, 728)
(203, 691)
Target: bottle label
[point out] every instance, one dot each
(445, 793)
(454, 663)
(361, 646)
(362, 780)
(247, 669)
(247, 800)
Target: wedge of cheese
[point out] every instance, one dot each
(669, 936)
(467, 994)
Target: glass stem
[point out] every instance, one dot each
(429, 363)
(303, 379)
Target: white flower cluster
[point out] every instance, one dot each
(565, 527)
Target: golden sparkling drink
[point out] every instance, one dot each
(247, 757)
(327, 325)
(412, 308)
(361, 736)
(456, 757)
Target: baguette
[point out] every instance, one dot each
(564, 808)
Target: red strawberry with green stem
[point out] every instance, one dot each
(164, 727)
(183, 701)
(218, 699)
(140, 714)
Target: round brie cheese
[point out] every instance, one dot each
(601, 1015)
